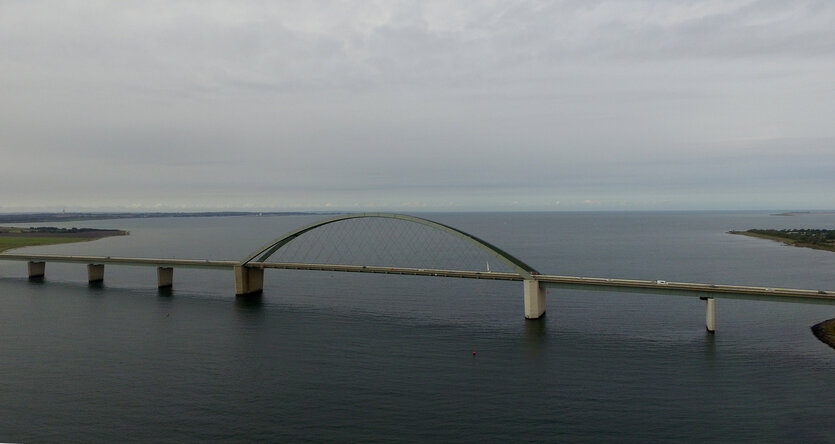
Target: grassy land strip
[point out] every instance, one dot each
(13, 237)
(8, 242)
(795, 238)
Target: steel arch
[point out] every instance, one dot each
(524, 270)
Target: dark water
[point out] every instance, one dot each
(349, 357)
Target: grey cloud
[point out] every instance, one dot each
(288, 104)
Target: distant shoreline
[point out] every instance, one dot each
(17, 237)
(802, 213)
(12, 238)
(15, 218)
(786, 238)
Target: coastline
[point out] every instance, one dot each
(825, 332)
(12, 238)
(785, 240)
(77, 216)
(802, 213)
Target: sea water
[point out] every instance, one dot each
(325, 356)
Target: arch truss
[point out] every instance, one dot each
(518, 266)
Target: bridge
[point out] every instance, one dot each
(249, 271)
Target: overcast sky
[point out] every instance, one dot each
(408, 106)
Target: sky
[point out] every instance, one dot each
(416, 105)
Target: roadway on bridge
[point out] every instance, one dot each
(567, 282)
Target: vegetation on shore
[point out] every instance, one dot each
(10, 243)
(803, 237)
(825, 332)
(802, 213)
(11, 237)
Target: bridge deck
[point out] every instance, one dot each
(116, 260)
(748, 292)
(573, 282)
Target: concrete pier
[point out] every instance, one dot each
(248, 280)
(165, 277)
(37, 270)
(534, 299)
(710, 314)
(95, 273)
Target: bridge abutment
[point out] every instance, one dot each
(165, 277)
(248, 280)
(37, 270)
(534, 299)
(95, 273)
(710, 314)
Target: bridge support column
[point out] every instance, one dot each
(165, 277)
(248, 280)
(534, 299)
(37, 270)
(95, 273)
(710, 314)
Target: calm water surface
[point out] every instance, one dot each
(352, 357)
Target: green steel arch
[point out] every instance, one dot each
(524, 270)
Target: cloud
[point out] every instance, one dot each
(287, 104)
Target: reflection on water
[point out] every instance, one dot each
(97, 285)
(536, 330)
(536, 336)
(709, 347)
(249, 303)
(250, 312)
